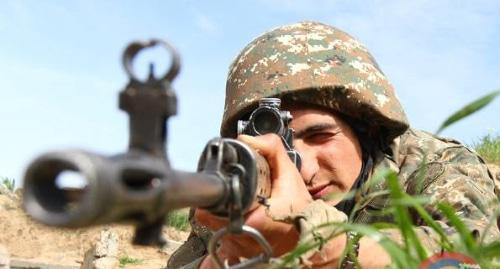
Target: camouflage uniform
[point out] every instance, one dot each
(317, 64)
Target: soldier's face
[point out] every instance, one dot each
(330, 150)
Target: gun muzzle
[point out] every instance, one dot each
(46, 201)
(135, 187)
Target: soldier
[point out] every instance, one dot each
(348, 124)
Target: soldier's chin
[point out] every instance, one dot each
(334, 196)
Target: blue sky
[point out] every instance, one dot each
(60, 69)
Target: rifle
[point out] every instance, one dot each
(140, 187)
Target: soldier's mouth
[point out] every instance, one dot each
(320, 191)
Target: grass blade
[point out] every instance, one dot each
(397, 254)
(445, 242)
(465, 233)
(468, 110)
(491, 251)
(403, 217)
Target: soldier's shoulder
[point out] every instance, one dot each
(414, 137)
(439, 154)
(443, 158)
(432, 147)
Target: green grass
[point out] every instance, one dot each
(179, 219)
(489, 148)
(127, 260)
(412, 252)
(8, 183)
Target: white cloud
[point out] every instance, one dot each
(206, 24)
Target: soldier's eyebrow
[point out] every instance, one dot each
(313, 129)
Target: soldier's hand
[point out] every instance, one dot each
(289, 196)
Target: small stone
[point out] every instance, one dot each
(107, 246)
(104, 254)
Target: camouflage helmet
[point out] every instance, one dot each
(317, 64)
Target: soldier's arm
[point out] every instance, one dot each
(190, 254)
(465, 183)
(459, 178)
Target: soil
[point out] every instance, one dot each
(29, 241)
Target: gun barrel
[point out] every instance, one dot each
(187, 189)
(134, 187)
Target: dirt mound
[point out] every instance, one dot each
(27, 241)
(495, 170)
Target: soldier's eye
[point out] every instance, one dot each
(318, 138)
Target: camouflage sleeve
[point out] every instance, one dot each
(190, 254)
(459, 178)
(192, 265)
(311, 225)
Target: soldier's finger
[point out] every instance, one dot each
(283, 172)
(270, 146)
